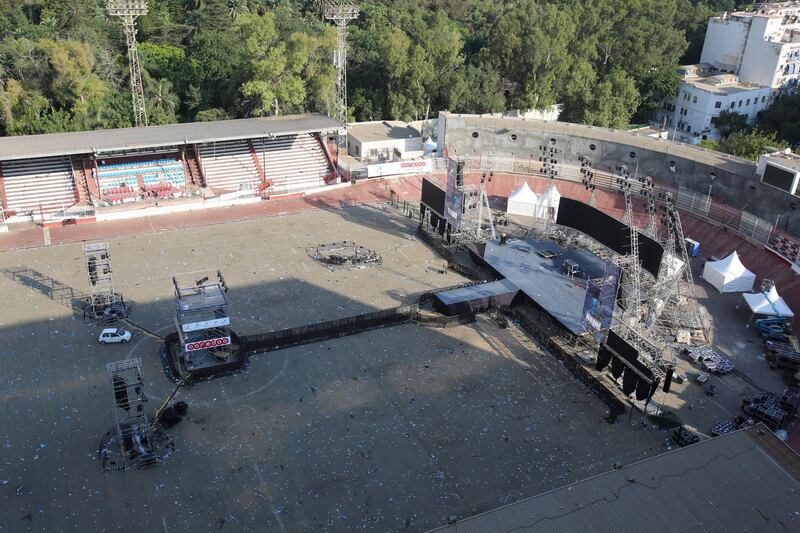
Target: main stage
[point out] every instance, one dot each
(539, 270)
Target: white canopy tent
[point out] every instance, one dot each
(767, 303)
(549, 200)
(524, 201)
(729, 274)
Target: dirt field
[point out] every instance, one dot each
(390, 430)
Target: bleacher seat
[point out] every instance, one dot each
(294, 163)
(39, 183)
(121, 180)
(229, 165)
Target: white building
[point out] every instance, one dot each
(380, 141)
(704, 93)
(748, 59)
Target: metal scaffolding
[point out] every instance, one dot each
(103, 303)
(137, 442)
(128, 11)
(202, 321)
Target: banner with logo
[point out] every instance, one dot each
(207, 344)
(400, 167)
(598, 306)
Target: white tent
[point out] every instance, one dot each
(523, 201)
(768, 303)
(549, 200)
(729, 274)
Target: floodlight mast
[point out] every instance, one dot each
(128, 11)
(341, 13)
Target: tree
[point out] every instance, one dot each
(729, 122)
(161, 98)
(615, 101)
(530, 43)
(750, 145)
(237, 7)
(783, 119)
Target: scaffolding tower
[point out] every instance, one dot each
(674, 307)
(648, 191)
(202, 322)
(128, 11)
(341, 13)
(139, 442)
(104, 303)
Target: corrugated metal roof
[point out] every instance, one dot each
(729, 483)
(99, 141)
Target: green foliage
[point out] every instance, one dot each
(730, 122)
(750, 145)
(63, 63)
(783, 119)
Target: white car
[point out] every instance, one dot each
(114, 335)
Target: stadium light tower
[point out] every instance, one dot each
(128, 11)
(341, 13)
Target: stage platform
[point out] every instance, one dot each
(475, 297)
(536, 268)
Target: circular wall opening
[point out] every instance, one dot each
(633, 155)
(592, 147)
(474, 134)
(513, 136)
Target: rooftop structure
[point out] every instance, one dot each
(743, 481)
(384, 140)
(129, 139)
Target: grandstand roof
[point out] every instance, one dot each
(742, 481)
(125, 139)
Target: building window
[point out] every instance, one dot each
(740, 103)
(763, 98)
(694, 100)
(733, 104)
(718, 104)
(748, 102)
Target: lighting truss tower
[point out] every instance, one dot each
(483, 199)
(649, 193)
(341, 13)
(550, 171)
(630, 263)
(128, 11)
(587, 178)
(104, 303)
(669, 291)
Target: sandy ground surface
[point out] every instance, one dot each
(390, 430)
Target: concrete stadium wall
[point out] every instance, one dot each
(518, 140)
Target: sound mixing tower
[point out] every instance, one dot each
(204, 341)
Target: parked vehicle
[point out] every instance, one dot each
(112, 335)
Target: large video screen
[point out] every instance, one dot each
(778, 177)
(433, 197)
(609, 231)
